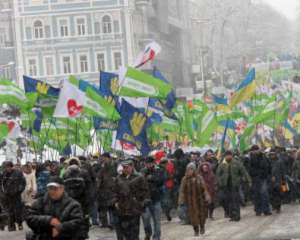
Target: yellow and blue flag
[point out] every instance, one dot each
(245, 90)
(32, 85)
(132, 127)
(221, 104)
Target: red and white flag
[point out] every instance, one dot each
(70, 102)
(151, 50)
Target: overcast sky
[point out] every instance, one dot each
(287, 7)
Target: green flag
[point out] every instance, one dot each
(96, 105)
(136, 83)
(12, 95)
(209, 125)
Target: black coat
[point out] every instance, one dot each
(67, 210)
(78, 185)
(12, 184)
(130, 194)
(105, 184)
(155, 179)
(278, 172)
(259, 166)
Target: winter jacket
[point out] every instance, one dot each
(131, 195)
(192, 194)
(66, 210)
(78, 184)
(259, 166)
(238, 173)
(155, 179)
(105, 184)
(12, 184)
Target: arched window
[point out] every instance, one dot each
(38, 29)
(107, 24)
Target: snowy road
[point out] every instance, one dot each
(276, 227)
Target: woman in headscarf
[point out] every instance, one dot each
(192, 194)
(210, 182)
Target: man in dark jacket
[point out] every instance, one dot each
(230, 174)
(155, 179)
(260, 171)
(55, 215)
(12, 184)
(131, 195)
(105, 186)
(278, 178)
(78, 186)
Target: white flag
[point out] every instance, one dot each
(71, 101)
(149, 53)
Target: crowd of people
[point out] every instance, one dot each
(64, 199)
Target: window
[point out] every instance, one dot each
(66, 64)
(101, 62)
(107, 24)
(49, 67)
(32, 67)
(81, 28)
(83, 63)
(38, 31)
(117, 60)
(64, 28)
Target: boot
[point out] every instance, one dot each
(147, 237)
(12, 228)
(196, 231)
(20, 227)
(202, 230)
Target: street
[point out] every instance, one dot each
(276, 227)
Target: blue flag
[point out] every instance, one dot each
(37, 123)
(107, 87)
(132, 127)
(36, 86)
(171, 98)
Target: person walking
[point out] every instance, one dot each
(55, 215)
(12, 184)
(192, 194)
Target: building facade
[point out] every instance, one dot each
(7, 41)
(58, 38)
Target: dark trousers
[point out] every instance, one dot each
(211, 208)
(14, 208)
(128, 227)
(231, 202)
(276, 199)
(261, 197)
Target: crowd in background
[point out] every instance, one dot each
(63, 200)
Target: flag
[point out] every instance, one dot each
(70, 102)
(132, 127)
(36, 86)
(11, 129)
(268, 113)
(135, 83)
(11, 94)
(289, 130)
(37, 123)
(96, 105)
(209, 124)
(221, 103)
(245, 90)
(149, 53)
(170, 102)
